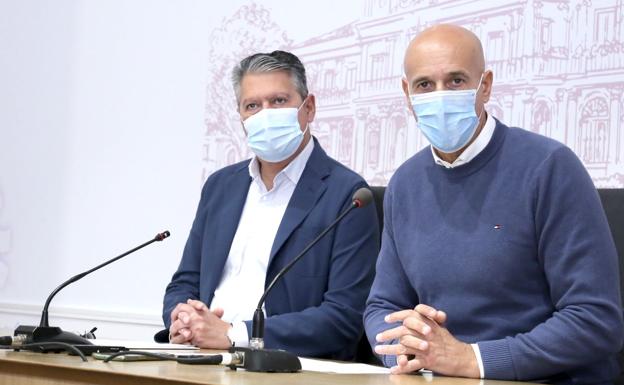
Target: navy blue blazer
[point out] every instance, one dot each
(316, 309)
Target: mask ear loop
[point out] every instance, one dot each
(303, 102)
(476, 92)
(298, 109)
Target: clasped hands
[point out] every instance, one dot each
(193, 323)
(424, 342)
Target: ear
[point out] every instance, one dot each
(486, 85)
(405, 87)
(310, 107)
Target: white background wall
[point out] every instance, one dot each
(101, 135)
(101, 110)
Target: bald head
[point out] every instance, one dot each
(447, 57)
(450, 44)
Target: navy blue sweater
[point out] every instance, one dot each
(514, 246)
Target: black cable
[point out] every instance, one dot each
(160, 356)
(38, 346)
(200, 360)
(190, 359)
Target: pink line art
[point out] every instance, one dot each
(558, 71)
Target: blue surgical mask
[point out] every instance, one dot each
(274, 134)
(447, 118)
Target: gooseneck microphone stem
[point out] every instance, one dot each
(303, 252)
(257, 359)
(257, 331)
(360, 199)
(44, 314)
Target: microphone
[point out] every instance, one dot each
(258, 359)
(44, 332)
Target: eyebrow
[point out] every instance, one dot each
(451, 74)
(459, 73)
(418, 80)
(279, 94)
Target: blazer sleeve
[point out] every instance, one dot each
(184, 284)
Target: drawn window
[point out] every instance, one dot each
(346, 140)
(351, 78)
(545, 34)
(496, 45)
(605, 25)
(593, 135)
(379, 65)
(541, 118)
(329, 81)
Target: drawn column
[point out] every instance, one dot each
(363, 147)
(572, 122)
(527, 108)
(615, 115)
(560, 128)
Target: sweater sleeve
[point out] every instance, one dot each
(580, 264)
(391, 290)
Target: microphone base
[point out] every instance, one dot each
(36, 334)
(266, 360)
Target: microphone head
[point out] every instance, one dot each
(362, 197)
(163, 235)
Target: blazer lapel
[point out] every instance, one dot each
(308, 191)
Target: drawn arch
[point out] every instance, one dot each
(592, 141)
(542, 117)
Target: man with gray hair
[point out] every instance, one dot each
(255, 216)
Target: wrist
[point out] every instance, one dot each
(228, 334)
(469, 366)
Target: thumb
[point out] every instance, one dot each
(218, 312)
(440, 317)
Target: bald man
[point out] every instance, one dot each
(496, 260)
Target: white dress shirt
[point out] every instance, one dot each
(466, 156)
(244, 273)
(475, 147)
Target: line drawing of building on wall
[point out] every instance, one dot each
(558, 71)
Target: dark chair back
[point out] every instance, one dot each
(613, 205)
(364, 352)
(378, 197)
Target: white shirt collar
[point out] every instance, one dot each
(475, 147)
(292, 172)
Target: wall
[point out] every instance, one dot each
(112, 113)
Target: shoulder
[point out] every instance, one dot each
(334, 173)
(540, 154)
(228, 171)
(412, 169)
(530, 143)
(340, 172)
(545, 162)
(217, 179)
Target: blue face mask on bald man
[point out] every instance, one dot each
(447, 118)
